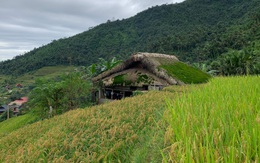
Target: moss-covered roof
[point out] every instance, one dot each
(165, 68)
(185, 73)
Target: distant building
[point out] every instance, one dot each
(16, 105)
(19, 85)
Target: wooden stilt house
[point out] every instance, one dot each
(143, 72)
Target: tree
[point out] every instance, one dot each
(242, 62)
(205, 68)
(53, 97)
(15, 95)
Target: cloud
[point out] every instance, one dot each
(26, 24)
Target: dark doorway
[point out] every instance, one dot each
(128, 94)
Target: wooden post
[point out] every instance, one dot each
(112, 94)
(8, 112)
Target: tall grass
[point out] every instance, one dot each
(120, 131)
(15, 123)
(219, 122)
(215, 122)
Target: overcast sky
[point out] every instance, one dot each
(26, 24)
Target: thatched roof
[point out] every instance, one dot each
(147, 63)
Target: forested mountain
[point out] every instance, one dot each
(194, 31)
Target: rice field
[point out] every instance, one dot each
(126, 131)
(49, 71)
(219, 122)
(15, 123)
(214, 122)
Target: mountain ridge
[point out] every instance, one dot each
(184, 29)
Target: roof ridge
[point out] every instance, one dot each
(140, 55)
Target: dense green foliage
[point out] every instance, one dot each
(55, 96)
(186, 73)
(241, 62)
(194, 31)
(27, 81)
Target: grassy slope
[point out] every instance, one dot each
(133, 129)
(3, 77)
(49, 71)
(120, 130)
(28, 79)
(15, 123)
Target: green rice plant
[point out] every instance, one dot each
(219, 122)
(214, 122)
(15, 123)
(119, 131)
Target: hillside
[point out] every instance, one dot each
(15, 123)
(122, 130)
(28, 81)
(201, 123)
(48, 72)
(194, 31)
